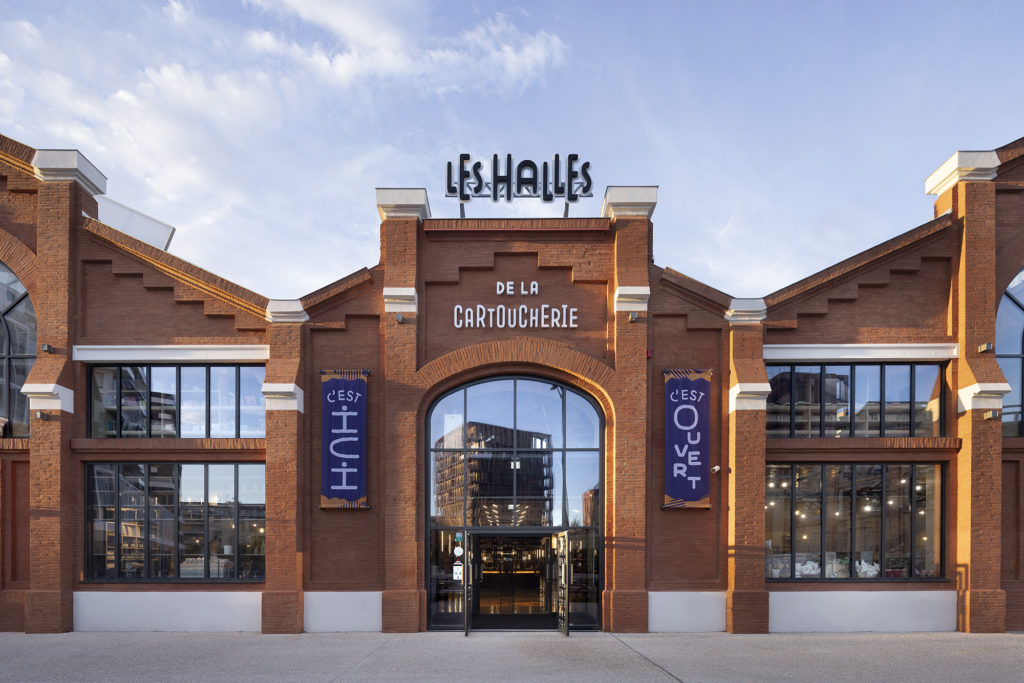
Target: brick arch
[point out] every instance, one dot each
(21, 260)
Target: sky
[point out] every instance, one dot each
(784, 137)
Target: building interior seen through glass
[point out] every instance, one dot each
(17, 352)
(513, 463)
(169, 521)
(218, 401)
(853, 521)
(888, 399)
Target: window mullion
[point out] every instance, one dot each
(206, 521)
(792, 520)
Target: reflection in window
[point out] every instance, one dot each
(888, 399)
(169, 521)
(1010, 352)
(17, 352)
(220, 401)
(870, 521)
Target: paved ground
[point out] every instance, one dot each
(510, 656)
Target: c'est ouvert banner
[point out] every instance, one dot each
(687, 439)
(343, 439)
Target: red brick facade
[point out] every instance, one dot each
(939, 283)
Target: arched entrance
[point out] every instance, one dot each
(514, 506)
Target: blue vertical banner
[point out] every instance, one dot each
(687, 439)
(343, 439)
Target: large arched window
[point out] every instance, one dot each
(1010, 352)
(17, 352)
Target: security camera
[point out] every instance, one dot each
(716, 468)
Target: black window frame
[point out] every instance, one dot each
(177, 384)
(943, 475)
(852, 425)
(1018, 381)
(9, 359)
(146, 520)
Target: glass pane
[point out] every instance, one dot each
(491, 474)
(253, 410)
(807, 400)
(538, 414)
(20, 367)
(222, 548)
(927, 521)
(221, 490)
(102, 541)
(1012, 400)
(132, 504)
(777, 406)
(585, 580)
(104, 402)
(446, 481)
(164, 401)
(444, 593)
(222, 402)
(777, 522)
(807, 521)
(491, 413)
(927, 401)
(582, 422)
(162, 497)
(252, 484)
(582, 488)
(897, 400)
(838, 497)
(866, 400)
(533, 511)
(11, 288)
(837, 400)
(252, 535)
(897, 521)
(21, 325)
(1009, 327)
(161, 549)
(191, 524)
(193, 402)
(491, 511)
(4, 395)
(252, 566)
(134, 391)
(446, 422)
(868, 520)
(535, 477)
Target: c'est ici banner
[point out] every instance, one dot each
(687, 439)
(343, 439)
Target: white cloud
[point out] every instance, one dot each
(177, 11)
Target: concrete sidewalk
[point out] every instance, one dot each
(490, 656)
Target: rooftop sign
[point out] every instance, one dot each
(550, 180)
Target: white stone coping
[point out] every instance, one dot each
(860, 352)
(748, 396)
(982, 396)
(746, 311)
(342, 611)
(686, 611)
(168, 611)
(962, 166)
(283, 397)
(623, 200)
(631, 298)
(69, 164)
(396, 202)
(171, 353)
(49, 397)
(890, 611)
(286, 311)
(400, 300)
(135, 223)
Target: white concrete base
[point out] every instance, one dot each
(334, 612)
(168, 611)
(685, 611)
(851, 611)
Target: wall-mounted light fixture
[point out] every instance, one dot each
(46, 348)
(987, 346)
(633, 316)
(991, 414)
(40, 415)
(400, 318)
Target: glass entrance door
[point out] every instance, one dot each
(513, 582)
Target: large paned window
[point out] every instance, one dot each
(853, 521)
(1010, 353)
(17, 352)
(187, 401)
(843, 400)
(161, 521)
